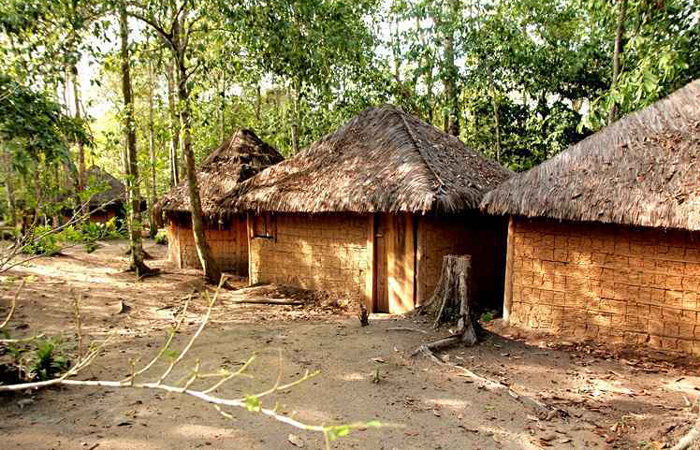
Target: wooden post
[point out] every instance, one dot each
(418, 252)
(371, 274)
(409, 266)
(508, 288)
(249, 235)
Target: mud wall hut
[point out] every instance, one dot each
(107, 196)
(237, 159)
(604, 238)
(371, 209)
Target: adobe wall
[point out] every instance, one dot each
(228, 243)
(325, 252)
(482, 237)
(607, 282)
(102, 216)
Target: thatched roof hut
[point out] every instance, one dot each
(604, 239)
(370, 210)
(238, 158)
(109, 190)
(641, 170)
(383, 160)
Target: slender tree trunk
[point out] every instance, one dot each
(494, 102)
(56, 198)
(451, 73)
(153, 229)
(619, 35)
(10, 187)
(81, 148)
(223, 105)
(296, 120)
(258, 101)
(132, 175)
(174, 126)
(212, 272)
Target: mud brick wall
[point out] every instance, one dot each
(228, 243)
(482, 237)
(607, 282)
(102, 216)
(325, 252)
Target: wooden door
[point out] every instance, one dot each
(395, 263)
(381, 298)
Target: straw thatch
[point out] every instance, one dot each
(237, 159)
(108, 189)
(641, 170)
(382, 160)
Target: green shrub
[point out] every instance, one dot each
(47, 361)
(92, 231)
(42, 245)
(161, 237)
(39, 360)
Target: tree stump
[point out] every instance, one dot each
(452, 302)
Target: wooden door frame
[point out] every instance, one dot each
(411, 229)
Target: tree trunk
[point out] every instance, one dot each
(296, 120)
(452, 301)
(212, 271)
(10, 186)
(132, 174)
(619, 34)
(258, 101)
(494, 102)
(153, 229)
(174, 126)
(451, 73)
(223, 106)
(81, 149)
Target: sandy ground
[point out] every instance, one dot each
(608, 398)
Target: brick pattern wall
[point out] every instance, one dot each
(324, 252)
(607, 282)
(102, 216)
(228, 244)
(482, 237)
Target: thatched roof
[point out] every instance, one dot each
(642, 170)
(382, 160)
(108, 188)
(237, 159)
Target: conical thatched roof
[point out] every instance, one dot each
(110, 190)
(237, 159)
(642, 170)
(382, 160)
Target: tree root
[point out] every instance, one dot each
(691, 437)
(543, 411)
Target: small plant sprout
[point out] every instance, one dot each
(253, 403)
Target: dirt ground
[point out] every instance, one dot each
(607, 398)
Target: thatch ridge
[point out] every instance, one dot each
(382, 160)
(238, 158)
(642, 170)
(111, 190)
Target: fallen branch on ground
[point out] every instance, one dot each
(406, 329)
(691, 437)
(251, 403)
(541, 410)
(269, 301)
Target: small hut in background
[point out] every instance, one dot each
(371, 209)
(237, 159)
(604, 238)
(109, 198)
